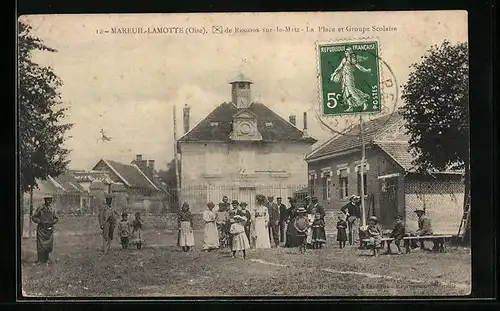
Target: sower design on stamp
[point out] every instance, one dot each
(350, 77)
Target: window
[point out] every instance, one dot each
(312, 183)
(326, 187)
(343, 185)
(365, 184)
(214, 161)
(246, 161)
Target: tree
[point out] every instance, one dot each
(41, 131)
(437, 111)
(168, 176)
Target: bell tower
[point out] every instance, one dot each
(241, 94)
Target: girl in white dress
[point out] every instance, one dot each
(211, 236)
(240, 240)
(260, 222)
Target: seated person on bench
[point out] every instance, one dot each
(375, 235)
(424, 226)
(398, 232)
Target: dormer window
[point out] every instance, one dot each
(213, 123)
(269, 124)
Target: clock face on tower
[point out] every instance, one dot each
(244, 128)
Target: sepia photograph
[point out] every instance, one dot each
(318, 154)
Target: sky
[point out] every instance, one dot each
(128, 84)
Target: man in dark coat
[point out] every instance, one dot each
(353, 213)
(274, 219)
(283, 218)
(225, 203)
(245, 213)
(107, 222)
(398, 232)
(45, 218)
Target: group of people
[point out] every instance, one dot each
(266, 224)
(129, 232)
(372, 233)
(239, 228)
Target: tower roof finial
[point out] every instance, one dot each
(240, 78)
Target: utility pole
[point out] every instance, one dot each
(361, 171)
(178, 184)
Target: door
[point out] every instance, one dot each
(388, 201)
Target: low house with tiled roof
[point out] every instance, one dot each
(241, 148)
(392, 185)
(67, 193)
(130, 175)
(93, 180)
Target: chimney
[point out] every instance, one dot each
(138, 159)
(186, 118)
(293, 120)
(305, 125)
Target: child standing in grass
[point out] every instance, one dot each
(124, 230)
(239, 238)
(301, 224)
(318, 231)
(342, 230)
(136, 230)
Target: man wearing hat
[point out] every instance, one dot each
(225, 203)
(374, 232)
(274, 220)
(107, 222)
(398, 232)
(45, 218)
(234, 205)
(283, 218)
(424, 226)
(353, 213)
(242, 211)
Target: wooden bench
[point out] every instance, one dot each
(382, 243)
(438, 239)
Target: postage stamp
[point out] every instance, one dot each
(349, 77)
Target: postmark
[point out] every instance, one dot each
(353, 80)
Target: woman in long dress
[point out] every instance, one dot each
(211, 236)
(260, 223)
(344, 74)
(291, 232)
(186, 236)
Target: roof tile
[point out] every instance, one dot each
(350, 139)
(281, 130)
(131, 174)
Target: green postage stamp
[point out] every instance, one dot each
(349, 78)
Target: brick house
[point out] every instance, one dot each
(391, 184)
(240, 149)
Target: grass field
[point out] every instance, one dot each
(80, 269)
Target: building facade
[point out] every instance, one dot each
(240, 149)
(391, 185)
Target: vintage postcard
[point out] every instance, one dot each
(244, 154)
